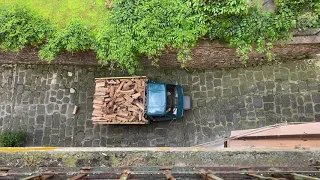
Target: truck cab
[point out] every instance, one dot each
(166, 101)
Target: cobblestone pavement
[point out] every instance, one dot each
(40, 100)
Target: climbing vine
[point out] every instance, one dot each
(121, 32)
(18, 28)
(74, 38)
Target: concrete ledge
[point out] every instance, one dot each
(161, 156)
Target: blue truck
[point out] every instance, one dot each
(160, 101)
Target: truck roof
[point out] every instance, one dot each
(156, 99)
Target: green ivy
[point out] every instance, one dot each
(130, 29)
(19, 28)
(147, 27)
(74, 38)
(12, 138)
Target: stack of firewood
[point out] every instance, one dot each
(119, 101)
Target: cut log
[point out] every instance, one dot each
(114, 108)
(96, 106)
(133, 108)
(75, 110)
(110, 116)
(122, 119)
(129, 92)
(140, 116)
(112, 91)
(98, 102)
(120, 87)
(111, 82)
(136, 87)
(97, 113)
(107, 99)
(110, 104)
(144, 120)
(132, 118)
(139, 82)
(127, 86)
(135, 96)
(123, 113)
(102, 89)
(120, 99)
(140, 105)
(128, 98)
(144, 84)
(106, 117)
(141, 90)
(100, 93)
(100, 84)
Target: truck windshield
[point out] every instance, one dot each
(172, 100)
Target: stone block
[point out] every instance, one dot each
(307, 98)
(308, 109)
(227, 93)
(83, 97)
(53, 99)
(257, 102)
(251, 116)
(195, 87)
(54, 140)
(294, 87)
(285, 101)
(60, 94)
(302, 86)
(20, 88)
(235, 91)
(234, 73)
(209, 85)
(195, 79)
(201, 103)
(40, 119)
(293, 76)
(300, 109)
(317, 108)
(316, 97)
(217, 82)
(268, 72)
(50, 108)
(55, 120)
(202, 79)
(261, 86)
(217, 92)
(268, 98)
(286, 112)
(243, 113)
(226, 82)
(302, 76)
(258, 76)
(217, 74)
(63, 109)
(268, 106)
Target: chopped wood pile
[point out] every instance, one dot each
(119, 101)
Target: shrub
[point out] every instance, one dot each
(131, 29)
(12, 138)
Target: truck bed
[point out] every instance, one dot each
(120, 100)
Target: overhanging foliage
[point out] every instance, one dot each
(131, 28)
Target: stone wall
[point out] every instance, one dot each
(206, 55)
(108, 158)
(40, 99)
